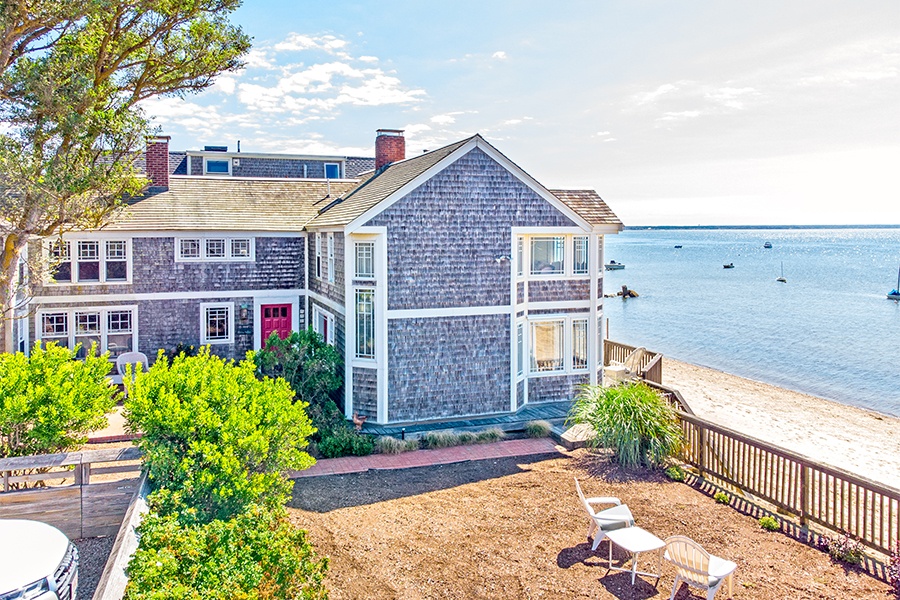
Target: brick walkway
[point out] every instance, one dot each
(426, 458)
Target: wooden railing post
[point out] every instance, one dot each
(702, 457)
(6, 480)
(804, 494)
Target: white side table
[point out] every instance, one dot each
(636, 540)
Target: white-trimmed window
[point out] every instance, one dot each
(332, 170)
(548, 255)
(90, 261)
(323, 324)
(331, 258)
(111, 328)
(217, 166)
(215, 249)
(217, 322)
(579, 344)
(548, 346)
(580, 255)
(318, 237)
(365, 323)
(520, 256)
(365, 260)
(520, 349)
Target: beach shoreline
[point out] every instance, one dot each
(854, 439)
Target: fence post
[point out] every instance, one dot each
(702, 458)
(6, 481)
(804, 494)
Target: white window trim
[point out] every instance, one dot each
(204, 322)
(102, 259)
(522, 358)
(207, 159)
(104, 323)
(339, 169)
(330, 257)
(356, 355)
(318, 311)
(568, 345)
(568, 271)
(202, 239)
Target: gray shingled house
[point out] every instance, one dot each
(452, 282)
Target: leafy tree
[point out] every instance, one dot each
(216, 439)
(72, 75)
(631, 419)
(303, 359)
(50, 401)
(257, 554)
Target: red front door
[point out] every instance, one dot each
(275, 317)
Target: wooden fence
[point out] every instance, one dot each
(650, 365)
(86, 494)
(814, 492)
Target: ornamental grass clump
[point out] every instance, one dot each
(391, 445)
(489, 436)
(537, 429)
(633, 420)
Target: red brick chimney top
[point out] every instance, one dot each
(157, 162)
(390, 146)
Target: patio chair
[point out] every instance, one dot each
(697, 567)
(616, 517)
(131, 358)
(632, 362)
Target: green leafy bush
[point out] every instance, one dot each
(345, 441)
(215, 437)
(537, 429)
(50, 401)
(303, 359)
(257, 554)
(722, 498)
(632, 419)
(769, 523)
(843, 547)
(676, 473)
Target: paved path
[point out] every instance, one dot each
(427, 458)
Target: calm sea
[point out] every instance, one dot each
(829, 331)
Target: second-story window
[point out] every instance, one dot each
(331, 257)
(61, 261)
(89, 261)
(217, 166)
(548, 255)
(520, 256)
(332, 170)
(116, 260)
(365, 323)
(318, 237)
(365, 260)
(580, 255)
(214, 249)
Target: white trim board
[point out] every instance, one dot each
(149, 296)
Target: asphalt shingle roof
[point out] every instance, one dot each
(588, 205)
(229, 204)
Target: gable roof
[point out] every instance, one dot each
(589, 205)
(229, 204)
(380, 185)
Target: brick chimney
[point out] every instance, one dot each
(157, 162)
(390, 146)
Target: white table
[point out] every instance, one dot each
(636, 540)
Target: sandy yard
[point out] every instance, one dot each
(856, 440)
(514, 528)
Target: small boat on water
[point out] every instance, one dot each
(782, 279)
(614, 266)
(678, 246)
(767, 245)
(728, 266)
(895, 293)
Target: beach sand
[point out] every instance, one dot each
(856, 440)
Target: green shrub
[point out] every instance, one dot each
(181, 348)
(769, 523)
(488, 436)
(345, 441)
(50, 401)
(257, 554)
(303, 359)
(676, 473)
(843, 547)
(722, 498)
(633, 420)
(440, 439)
(215, 438)
(538, 429)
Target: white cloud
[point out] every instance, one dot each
(297, 42)
(647, 97)
(368, 59)
(602, 133)
(225, 84)
(499, 55)
(443, 119)
(258, 59)
(683, 115)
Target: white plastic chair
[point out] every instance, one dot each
(632, 362)
(697, 567)
(602, 521)
(131, 358)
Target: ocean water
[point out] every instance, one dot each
(829, 331)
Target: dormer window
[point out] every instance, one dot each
(216, 166)
(332, 170)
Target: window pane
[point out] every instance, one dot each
(55, 325)
(119, 321)
(88, 261)
(547, 255)
(189, 248)
(365, 323)
(240, 248)
(215, 248)
(217, 166)
(116, 250)
(520, 256)
(520, 349)
(60, 261)
(365, 259)
(579, 344)
(218, 324)
(332, 171)
(116, 271)
(581, 255)
(119, 343)
(547, 346)
(63, 272)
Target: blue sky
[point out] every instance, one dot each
(676, 113)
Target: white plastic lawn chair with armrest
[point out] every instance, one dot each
(697, 567)
(616, 517)
(131, 358)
